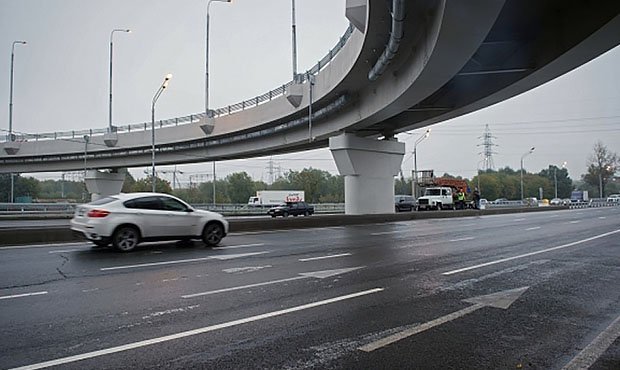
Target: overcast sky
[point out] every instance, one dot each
(61, 80)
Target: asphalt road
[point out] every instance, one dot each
(382, 296)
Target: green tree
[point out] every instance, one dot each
(145, 185)
(565, 184)
(602, 165)
(239, 187)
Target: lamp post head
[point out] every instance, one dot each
(168, 77)
(20, 42)
(532, 150)
(128, 30)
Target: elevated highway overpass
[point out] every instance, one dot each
(401, 65)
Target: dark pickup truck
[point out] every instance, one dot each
(291, 208)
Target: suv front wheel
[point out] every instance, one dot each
(213, 234)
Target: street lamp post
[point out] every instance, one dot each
(523, 156)
(414, 186)
(11, 136)
(294, 36)
(155, 98)
(207, 114)
(110, 129)
(555, 177)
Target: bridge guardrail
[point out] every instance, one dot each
(193, 118)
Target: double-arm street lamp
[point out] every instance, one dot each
(155, 98)
(110, 129)
(555, 177)
(414, 187)
(523, 156)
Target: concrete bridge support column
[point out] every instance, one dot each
(101, 184)
(368, 167)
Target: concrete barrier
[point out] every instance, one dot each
(35, 235)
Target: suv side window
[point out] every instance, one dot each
(144, 203)
(170, 204)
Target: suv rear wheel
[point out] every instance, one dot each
(126, 238)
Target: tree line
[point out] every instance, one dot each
(322, 187)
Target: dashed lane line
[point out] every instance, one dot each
(162, 263)
(324, 257)
(239, 246)
(462, 239)
(447, 273)
(22, 295)
(532, 228)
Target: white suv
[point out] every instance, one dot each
(128, 219)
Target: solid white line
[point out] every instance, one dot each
(324, 257)
(588, 356)
(220, 257)
(462, 239)
(532, 228)
(239, 246)
(386, 232)
(243, 287)
(530, 254)
(206, 329)
(22, 295)
(574, 222)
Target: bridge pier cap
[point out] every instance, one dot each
(368, 167)
(101, 184)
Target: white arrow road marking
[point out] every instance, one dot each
(304, 275)
(498, 300)
(184, 334)
(588, 356)
(324, 257)
(531, 253)
(220, 257)
(22, 295)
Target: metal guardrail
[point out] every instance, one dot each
(68, 209)
(193, 118)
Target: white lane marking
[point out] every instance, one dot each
(222, 257)
(574, 222)
(530, 254)
(241, 270)
(602, 218)
(467, 225)
(532, 228)
(588, 356)
(304, 275)
(462, 239)
(519, 219)
(43, 245)
(239, 246)
(184, 334)
(22, 295)
(90, 290)
(324, 257)
(242, 287)
(66, 250)
(386, 232)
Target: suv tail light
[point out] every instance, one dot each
(97, 213)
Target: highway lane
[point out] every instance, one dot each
(96, 299)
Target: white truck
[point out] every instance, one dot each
(436, 198)
(271, 198)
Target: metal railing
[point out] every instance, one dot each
(193, 118)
